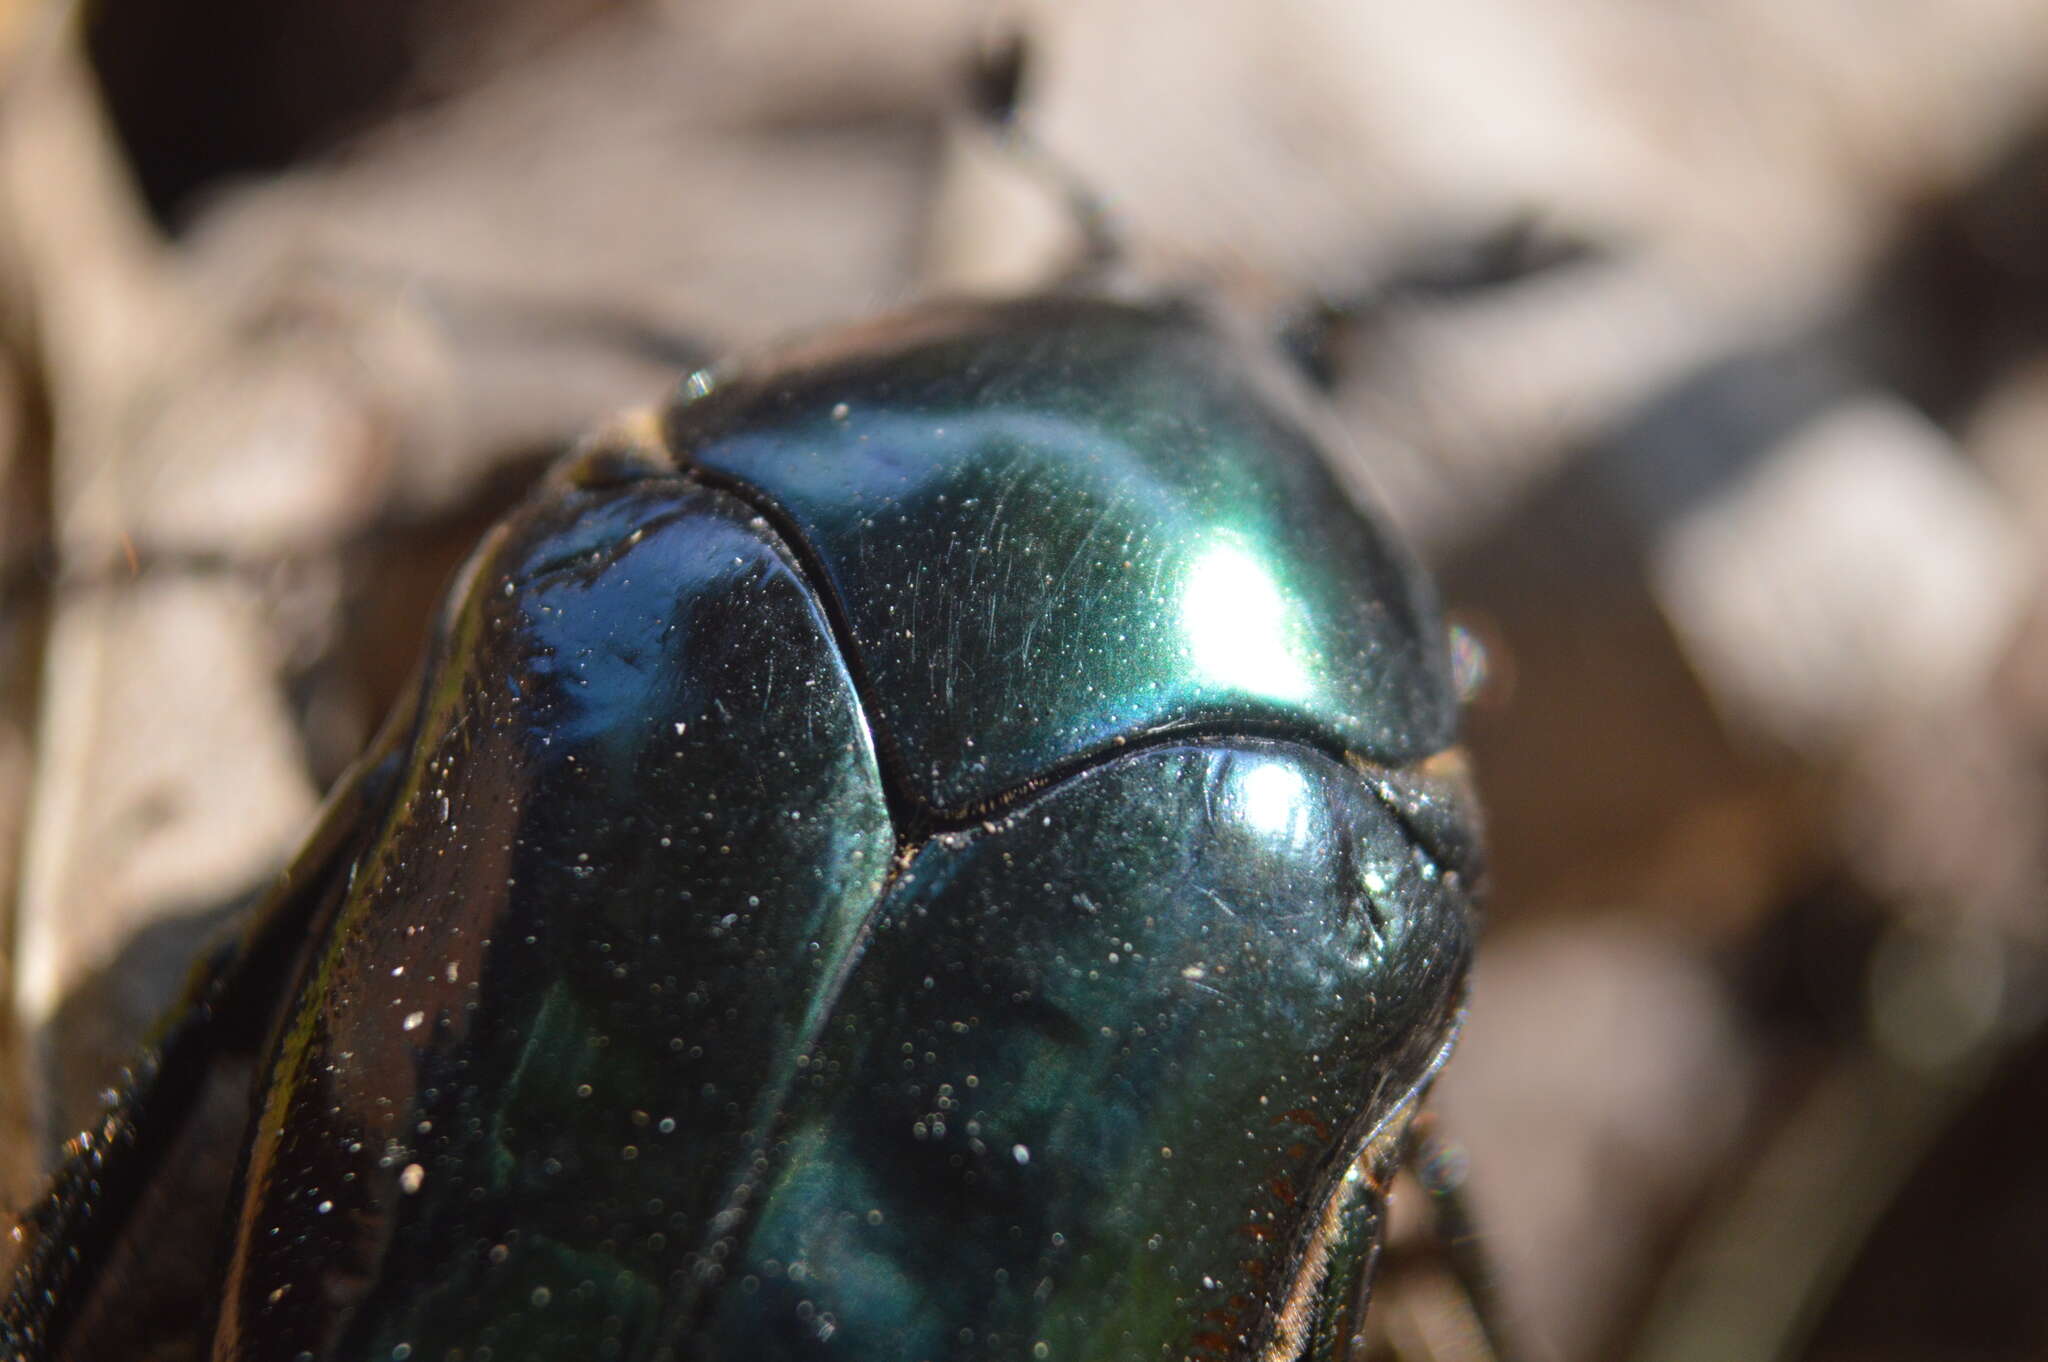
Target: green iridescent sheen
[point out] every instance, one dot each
(1052, 527)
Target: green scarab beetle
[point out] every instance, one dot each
(945, 845)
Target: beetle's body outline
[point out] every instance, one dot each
(1355, 742)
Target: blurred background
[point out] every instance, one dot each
(1702, 350)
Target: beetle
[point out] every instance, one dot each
(946, 842)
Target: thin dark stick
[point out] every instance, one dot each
(1439, 1165)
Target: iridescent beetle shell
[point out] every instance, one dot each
(946, 848)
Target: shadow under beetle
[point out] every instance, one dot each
(945, 845)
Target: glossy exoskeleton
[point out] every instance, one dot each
(946, 845)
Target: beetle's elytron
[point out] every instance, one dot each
(945, 846)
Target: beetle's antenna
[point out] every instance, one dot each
(1439, 1165)
(1466, 265)
(1000, 77)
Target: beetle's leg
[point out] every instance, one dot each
(1439, 1166)
(1466, 265)
(109, 1256)
(1339, 1333)
(1001, 74)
